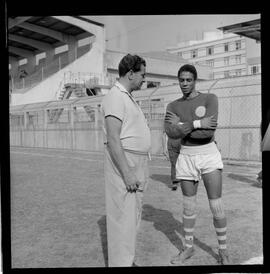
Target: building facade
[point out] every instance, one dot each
(254, 65)
(226, 54)
(161, 68)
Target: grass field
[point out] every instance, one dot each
(58, 213)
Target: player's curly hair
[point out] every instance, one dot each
(189, 68)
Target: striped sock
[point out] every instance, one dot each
(221, 229)
(189, 223)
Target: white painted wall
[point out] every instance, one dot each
(253, 49)
(219, 49)
(201, 52)
(49, 89)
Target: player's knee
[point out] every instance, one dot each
(216, 206)
(189, 205)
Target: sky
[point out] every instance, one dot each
(144, 33)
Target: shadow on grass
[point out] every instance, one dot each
(165, 179)
(244, 179)
(103, 236)
(164, 221)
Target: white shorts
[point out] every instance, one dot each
(192, 162)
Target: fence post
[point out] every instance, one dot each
(149, 103)
(96, 117)
(12, 83)
(97, 137)
(45, 127)
(41, 73)
(71, 111)
(230, 125)
(25, 119)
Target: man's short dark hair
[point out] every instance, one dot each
(189, 68)
(130, 62)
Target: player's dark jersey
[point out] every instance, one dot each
(196, 108)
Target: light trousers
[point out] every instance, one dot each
(123, 209)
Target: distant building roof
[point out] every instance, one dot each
(208, 39)
(164, 55)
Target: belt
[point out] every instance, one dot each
(136, 152)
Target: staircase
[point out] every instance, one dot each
(79, 90)
(54, 115)
(72, 88)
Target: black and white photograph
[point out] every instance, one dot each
(136, 141)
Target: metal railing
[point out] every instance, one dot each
(37, 76)
(238, 133)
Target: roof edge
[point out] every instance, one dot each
(89, 21)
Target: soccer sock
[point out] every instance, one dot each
(219, 221)
(221, 229)
(189, 224)
(189, 218)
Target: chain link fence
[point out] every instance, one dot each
(77, 123)
(238, 133)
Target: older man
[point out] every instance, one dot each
(127, 145)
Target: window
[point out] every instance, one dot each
(151, 84)
(226, 74)
(209, 50)
(226, 47)
(238, 45)
(210, 63)
(254, 69)
(238, 59)
(194, 53)
(226, 61)
(238, 72)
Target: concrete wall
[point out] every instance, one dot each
(234, 143)
(238, 133)
(71, 139)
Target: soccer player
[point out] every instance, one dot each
(193, 118)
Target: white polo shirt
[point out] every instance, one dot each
(135, 133)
